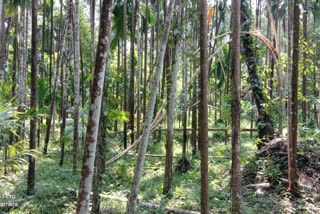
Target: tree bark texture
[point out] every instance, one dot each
(289, 103)
(95, 108)
(22, 75)
(294, 97)
(33, 102)
(76, 102)
(99, 166)
(235, 109)
(203, 108)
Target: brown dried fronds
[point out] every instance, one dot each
(272, 49)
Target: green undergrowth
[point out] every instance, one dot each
(53, 183)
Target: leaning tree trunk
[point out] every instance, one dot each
(132, 201)
(203, 108)
(103, 47)
(264, 121)
(99, 166)
(76, 46)
(33, 98)
(235, 109)
(172, 92)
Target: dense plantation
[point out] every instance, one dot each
(159, 106)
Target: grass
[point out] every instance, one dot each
(52, 182)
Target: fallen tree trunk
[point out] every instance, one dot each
(169, 209)
(151, 205)
(258, 186)
(190, 129)
(142, 203)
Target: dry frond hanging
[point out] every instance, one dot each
(273, 50)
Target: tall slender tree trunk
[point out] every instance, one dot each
(185, 116)
(92, 23)
(117, 86)
(2, 38)
(4, 43)
(289, 103)
(125, 70)
(76, 46)
(272, 60)
(51, 45)
(103, 47)
(315, 94)
(132, 201)
(194, 112)
(172, 92)
(146, 62)
(15, 54)
(140, 51)
(64, 113)
(305, 58)
(235, 109)
(22, 76)
(82, 89)
(33, 122)
(135, 6)
(22, 73)
(64, 90)
(203, 108)
(292, 171)
(44, 9)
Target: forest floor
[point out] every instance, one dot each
(53, 183)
